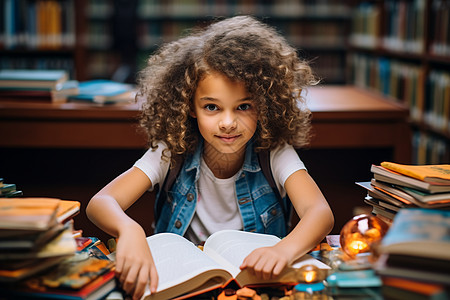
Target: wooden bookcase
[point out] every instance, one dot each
(402, 49)
(42, 34)
(112, 39)
(319, 31)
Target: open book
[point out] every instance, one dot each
(185, 270)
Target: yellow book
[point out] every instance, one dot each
(429, 173)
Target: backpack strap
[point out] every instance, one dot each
(264, 162)
(167, 185)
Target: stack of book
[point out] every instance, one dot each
(40, 257)
(414, 260)
(36, 85)
(397, 186)
(34, 235)
(9, 190)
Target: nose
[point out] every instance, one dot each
(228, 121)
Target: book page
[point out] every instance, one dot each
(178, 260)
(230, 247)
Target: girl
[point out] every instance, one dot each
(216, 98)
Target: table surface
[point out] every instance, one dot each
(342, 117)
(337, 102)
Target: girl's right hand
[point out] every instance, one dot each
(134, 262)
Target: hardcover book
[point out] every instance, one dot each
(61, 245)
(419, 232)
(27, 213)
(428, 173)
(382, 174)
(88, 279)
(184, 270)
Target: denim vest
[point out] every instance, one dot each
(258, 205)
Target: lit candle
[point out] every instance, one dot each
(310, 284)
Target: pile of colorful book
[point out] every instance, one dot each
(414, 260)
(37, 85)
(40, 256)
(396, 186)
(55, 86)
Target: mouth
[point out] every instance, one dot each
(228, 138)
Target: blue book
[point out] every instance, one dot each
(419, 232)
(104, 92)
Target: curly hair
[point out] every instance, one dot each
(243, 49)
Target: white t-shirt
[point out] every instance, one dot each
(220, 211)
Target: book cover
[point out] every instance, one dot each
(400, 288)
(428, 173)
(74, 273)
(419, 232)
(67, 210)
(28, 213)
(427, 197)
(29, 269)
(377, 194)
(98, 288)
(62, 245)
(399, 193)
(383, 268)
(190, 270)
(104, 91)
(29, 241)
(382, 174)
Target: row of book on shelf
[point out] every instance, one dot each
(177, 8)
(41, 255)
(55, 86)
(415, 253)
(402, 81)
(40, 24)
(403, 27)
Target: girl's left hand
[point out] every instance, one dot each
(266, 262)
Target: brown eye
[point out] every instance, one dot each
(245, 106)
(210, 107)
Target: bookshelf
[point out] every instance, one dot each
(111, 39)
(42, 34)
(146, 24)
(402, 49)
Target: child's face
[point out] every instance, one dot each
(225, 113)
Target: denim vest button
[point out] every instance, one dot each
(190, 197)
(273, 212)
(178, 224)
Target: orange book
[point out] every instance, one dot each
(423, 288)
(429, 173)
(28, 213)
(67, 210)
